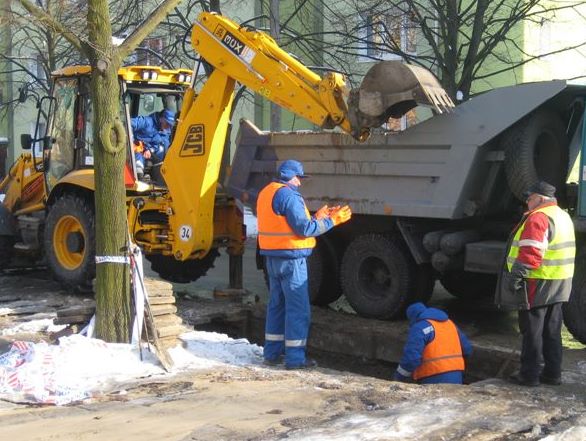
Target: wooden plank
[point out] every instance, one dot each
(169, 331)
(76, 310)
(161, 300)
(163, 309)
(72, 319)
(167, 320)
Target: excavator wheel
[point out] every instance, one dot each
(378, 276)
(575, 309)
(70, 241)
(177, 271)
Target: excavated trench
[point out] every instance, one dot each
(367, 347)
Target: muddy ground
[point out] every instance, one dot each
(257, 403)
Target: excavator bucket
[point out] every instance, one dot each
(389, 90)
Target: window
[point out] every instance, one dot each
(384, 34)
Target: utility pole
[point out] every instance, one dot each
(275, 33)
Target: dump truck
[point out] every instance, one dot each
(182, 217)
(436, 201)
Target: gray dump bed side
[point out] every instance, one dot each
(437, 169)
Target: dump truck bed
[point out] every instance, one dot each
(446, 167)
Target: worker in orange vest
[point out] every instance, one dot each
(435, 348)
(286, 237)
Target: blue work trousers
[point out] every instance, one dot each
(288, 311)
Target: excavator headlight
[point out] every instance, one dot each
(149, 75)
(181, 78)
(188, 78)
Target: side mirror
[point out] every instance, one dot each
(26, 141)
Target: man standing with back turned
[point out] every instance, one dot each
(536, 280)
(286, 236)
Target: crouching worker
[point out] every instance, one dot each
(435, 348)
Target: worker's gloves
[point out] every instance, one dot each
(518, 286)
(322, 213)
(339, 215)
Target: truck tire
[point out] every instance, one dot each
(325, 288)
(469, 285)
(575, 309)
(378, 276)
(323, 269)
(177, 271)
(6, 250)
(536, 148)
(424, 284)
(70, 241)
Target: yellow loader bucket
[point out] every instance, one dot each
(389, 90)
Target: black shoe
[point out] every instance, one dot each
(278, 362)
(519, 379)
(308, 364)
(552, 381)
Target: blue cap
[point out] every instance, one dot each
(291, 168)
(169, 116)
(414, 310)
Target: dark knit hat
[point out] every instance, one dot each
(542, 188)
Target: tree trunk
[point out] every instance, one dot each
(112, 279)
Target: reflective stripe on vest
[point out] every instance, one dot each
(443, 354)
(558, 256)
(274, 233)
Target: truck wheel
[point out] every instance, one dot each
(536, 148)
(424, 284)
(70, 241)
(575, 309)
(378, 276)
(468, 285)
(177, 271)
(323, 273)
(6, 250)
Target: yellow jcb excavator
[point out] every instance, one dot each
(180, 221)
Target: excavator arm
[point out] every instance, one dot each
(253, 59)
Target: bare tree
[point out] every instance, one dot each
(94, 43)
(462, 41)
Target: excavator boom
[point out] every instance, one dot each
(253, 59)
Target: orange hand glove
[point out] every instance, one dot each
(341, 215)
(322, 213)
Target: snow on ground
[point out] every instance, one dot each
(80, 367)
(32, 326)
(250, 222)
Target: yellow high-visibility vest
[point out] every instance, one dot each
(558, 258)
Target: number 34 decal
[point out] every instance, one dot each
(185, 233)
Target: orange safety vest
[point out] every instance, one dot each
(443, 353)
(274, 233)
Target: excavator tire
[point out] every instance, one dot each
(468, 285)
(378, 275)
(536, 148)
(575, 310)
(6, 250)
(70, 241)
(177, 271)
